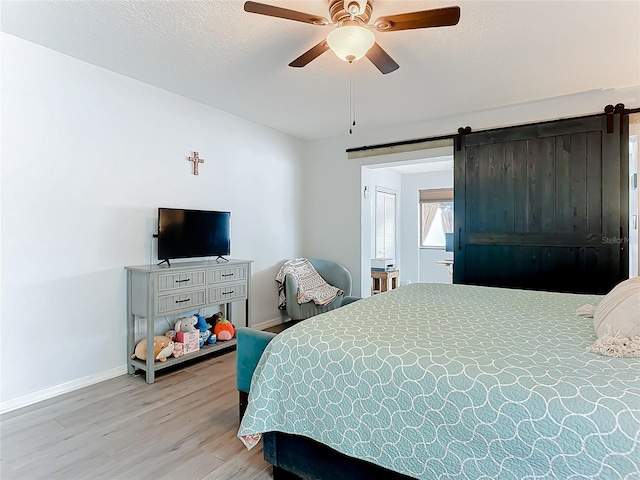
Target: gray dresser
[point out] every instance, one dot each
(154, 291)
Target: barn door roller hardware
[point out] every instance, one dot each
(461, 131)
(610, 110)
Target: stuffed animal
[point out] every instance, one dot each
(187, 333)
(203, 327)
(186, 324)
(162, 348)
(224, 330)
(178, 349)
(205, 331)
(214, 319)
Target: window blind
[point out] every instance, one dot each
(436, 195)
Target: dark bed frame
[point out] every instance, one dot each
(295, 457)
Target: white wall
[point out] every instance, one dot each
(419, 264)
(87, 157)
(333, 180)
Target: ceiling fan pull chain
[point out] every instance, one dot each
(354, 95)
(350, 96)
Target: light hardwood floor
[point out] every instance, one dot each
(181, 427)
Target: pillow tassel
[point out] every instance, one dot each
(613, 345)
(586, 311)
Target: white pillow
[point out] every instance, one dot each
(616, 321)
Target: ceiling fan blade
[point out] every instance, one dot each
(310, 54)
(381, 59)
(270, 10)
(439, 17)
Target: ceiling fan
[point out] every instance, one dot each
(353, 37)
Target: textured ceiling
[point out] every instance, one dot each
(501, 53)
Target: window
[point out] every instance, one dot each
(436, 217)
(385, 223)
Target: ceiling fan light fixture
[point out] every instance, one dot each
(351, 42)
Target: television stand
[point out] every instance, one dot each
(221, 259)
(189, 287)
(166, 260)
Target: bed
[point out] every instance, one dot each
(447, 381)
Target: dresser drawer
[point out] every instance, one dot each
(228, 293)
(226, 274)
(182, 301)
(175, 281)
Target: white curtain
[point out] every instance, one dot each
(447, 217)
(429, 211)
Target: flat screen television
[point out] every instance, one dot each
(193, 233)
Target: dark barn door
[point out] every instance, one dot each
(543, 206)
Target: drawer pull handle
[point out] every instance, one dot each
(182, 301)
(227, 274)
(180, 281)
(228, 293)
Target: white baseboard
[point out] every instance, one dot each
(45, 394)
(269, 323)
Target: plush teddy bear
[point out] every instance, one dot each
(162, 348)
(178, 349)
(215, 318)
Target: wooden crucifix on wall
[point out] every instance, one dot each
(196, 160)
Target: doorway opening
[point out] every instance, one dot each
(392, 197)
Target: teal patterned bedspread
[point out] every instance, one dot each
(455, 382)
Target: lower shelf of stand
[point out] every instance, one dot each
(206, 350)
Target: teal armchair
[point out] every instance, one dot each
(334, 274)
